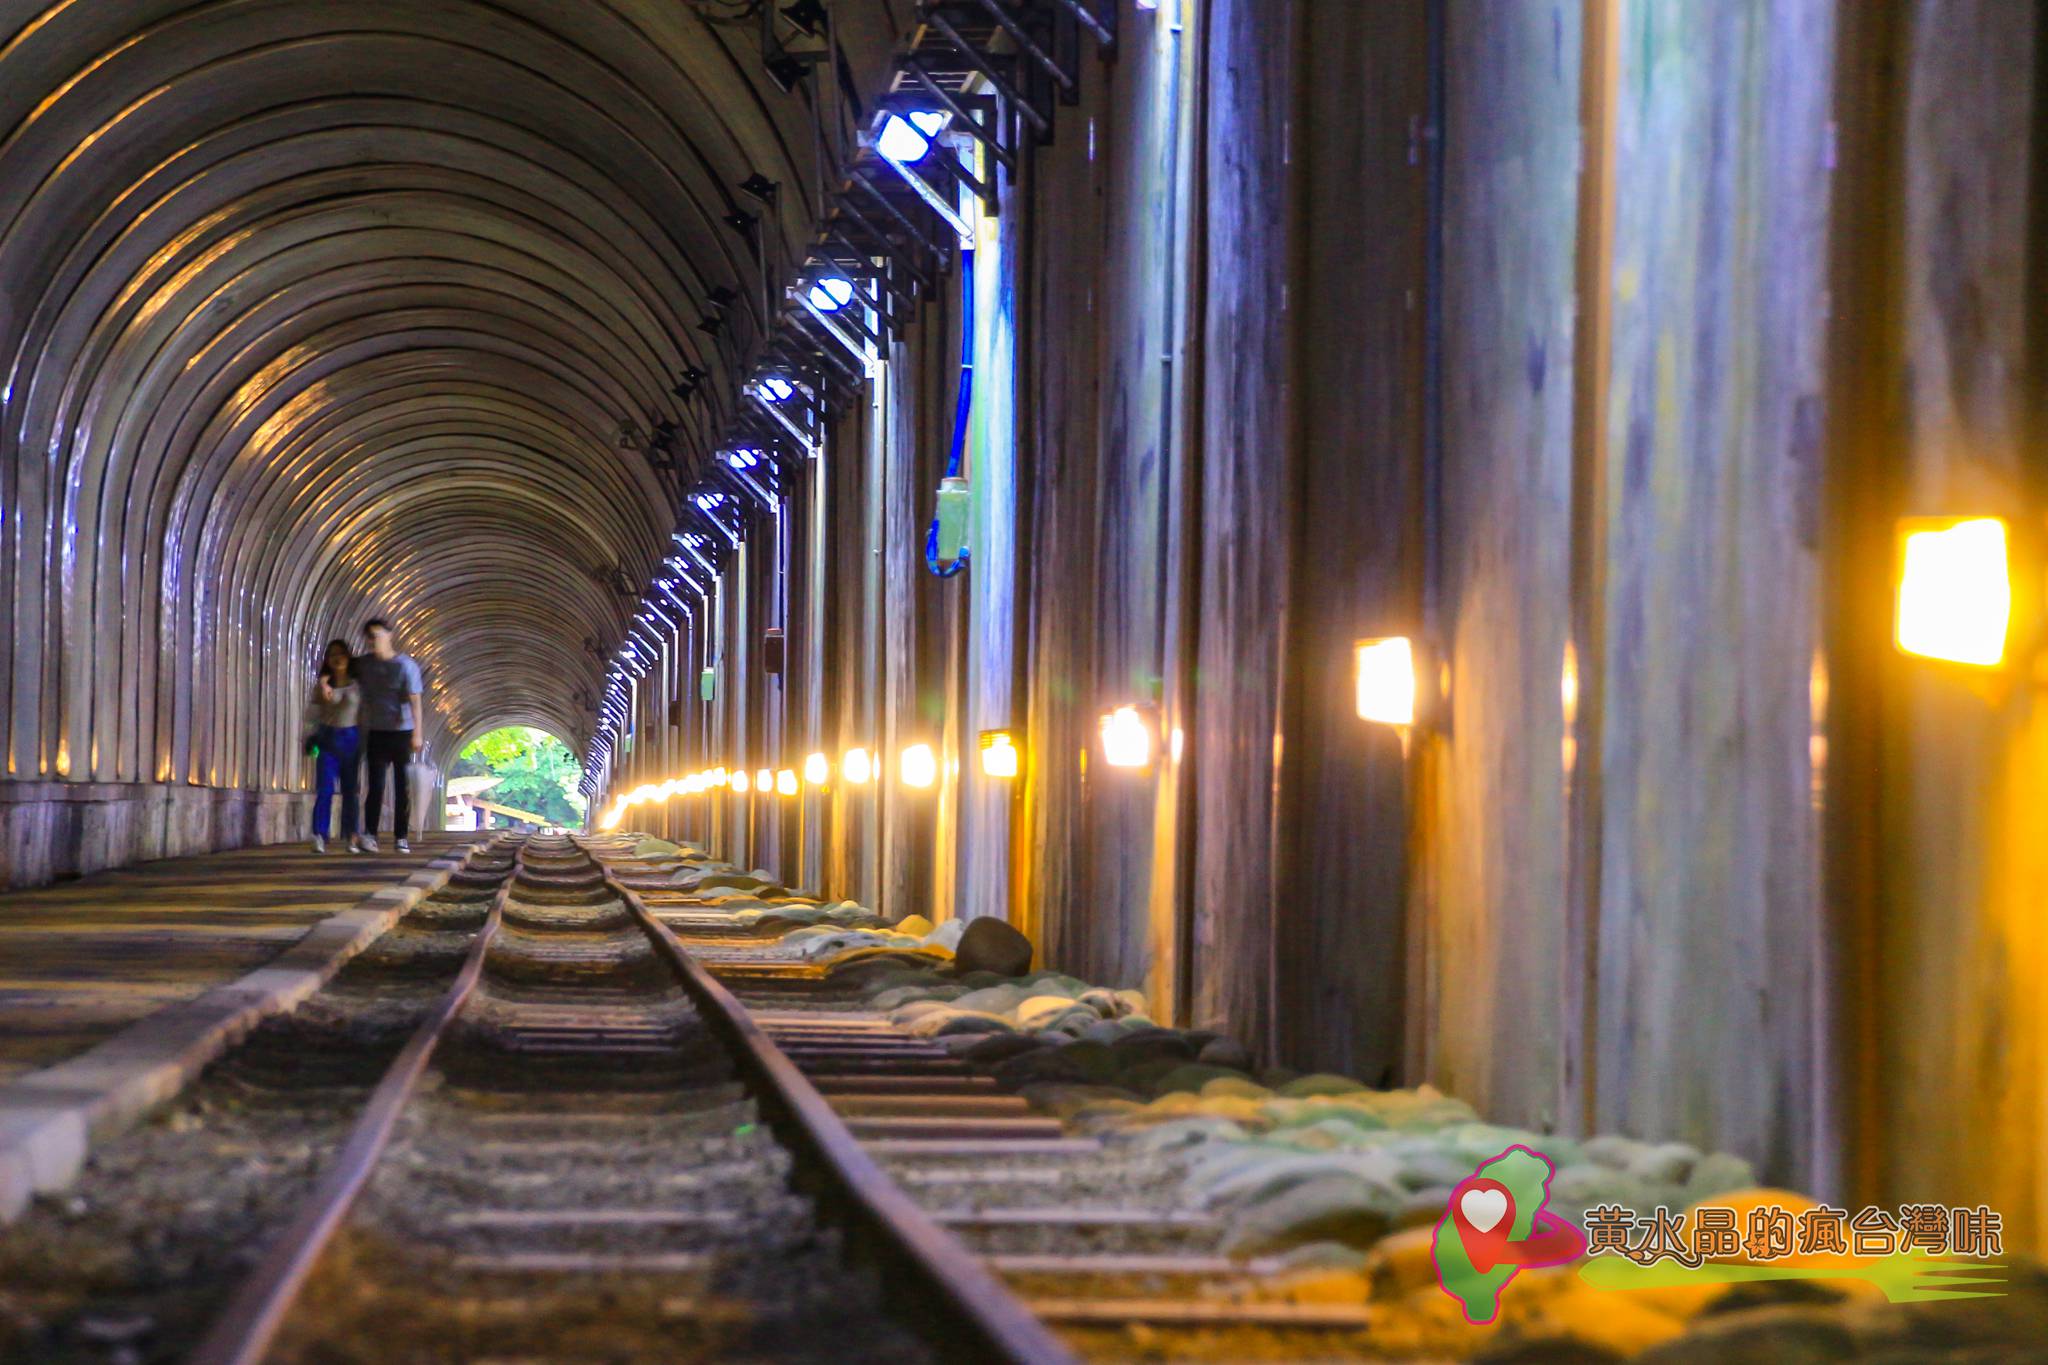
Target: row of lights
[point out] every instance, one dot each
(903, 139)
(1126, 743)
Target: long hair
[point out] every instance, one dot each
(327, 668)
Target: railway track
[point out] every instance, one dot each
(1098, 1243)
(590, 1151)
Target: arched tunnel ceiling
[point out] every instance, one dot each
(312, 310)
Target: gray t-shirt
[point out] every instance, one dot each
(388, 685)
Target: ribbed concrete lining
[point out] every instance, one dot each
(312, 310)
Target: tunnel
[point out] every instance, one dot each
(1489, 549)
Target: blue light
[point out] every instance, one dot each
(743, 457)
(776, 389)
(831, 294)
(907, 138)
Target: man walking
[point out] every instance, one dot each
(391, 687)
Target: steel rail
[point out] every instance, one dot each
(938, 1287)
(246, 1329)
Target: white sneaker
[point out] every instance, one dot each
(369, 843)
(355, 843)
(319, 843)
(405, 846)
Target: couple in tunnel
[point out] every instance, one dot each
(365, 710)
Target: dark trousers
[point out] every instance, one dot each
(389, 749)
(341, 764)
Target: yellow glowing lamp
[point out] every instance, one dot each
(764, 780)
(999, 756)
(919, 766)
(817, 770)
(785, 782)
(739, 781)
(1386, 680)
(1126, 739)
(1955, 589)
(857, 767)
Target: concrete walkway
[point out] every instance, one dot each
(81, 960)
(117, 989)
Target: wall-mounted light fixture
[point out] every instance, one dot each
(1954, 589)
(817, 770)
(857, 767)
(831, 293)
(785, 782)
(918, 767)
(999, 754)
(1126, 738)
(907, 137)
(764, 779)
(1386, 680)
(739, 782)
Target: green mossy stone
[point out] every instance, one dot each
(975, 981)
(1234, 1086)
(1341, 1208)
(998, 1047)
(970, 1023)
(1141, 1045)
(1193, 1131)
(1667, 1163)
(1226, 1052)
(1319, 1083)
(1091, 1059)
(1716, 1173)
(1046, 1065)
(1104, 1031)
(1001, 999)
(1191, 1077)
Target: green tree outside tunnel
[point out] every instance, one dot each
(534, 771)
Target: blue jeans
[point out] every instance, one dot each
(341, 764)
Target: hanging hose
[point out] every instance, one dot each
(963, 408)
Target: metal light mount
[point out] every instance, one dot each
(717, 510)
(700, 549)
(659, 610)
(797, 412)
(752, 442)
(1025, 77)
(758, 483)
(662, 586)
(840, 376)
(907, 139)
(905, 251)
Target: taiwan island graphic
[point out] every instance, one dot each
(1497, 1222)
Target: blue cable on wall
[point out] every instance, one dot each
(963, 408)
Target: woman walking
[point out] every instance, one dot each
(337, 697)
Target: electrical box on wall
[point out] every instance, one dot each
(707, 684)
(772, 650)
(950, 525)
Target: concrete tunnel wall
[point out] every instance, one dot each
(1598, 346)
